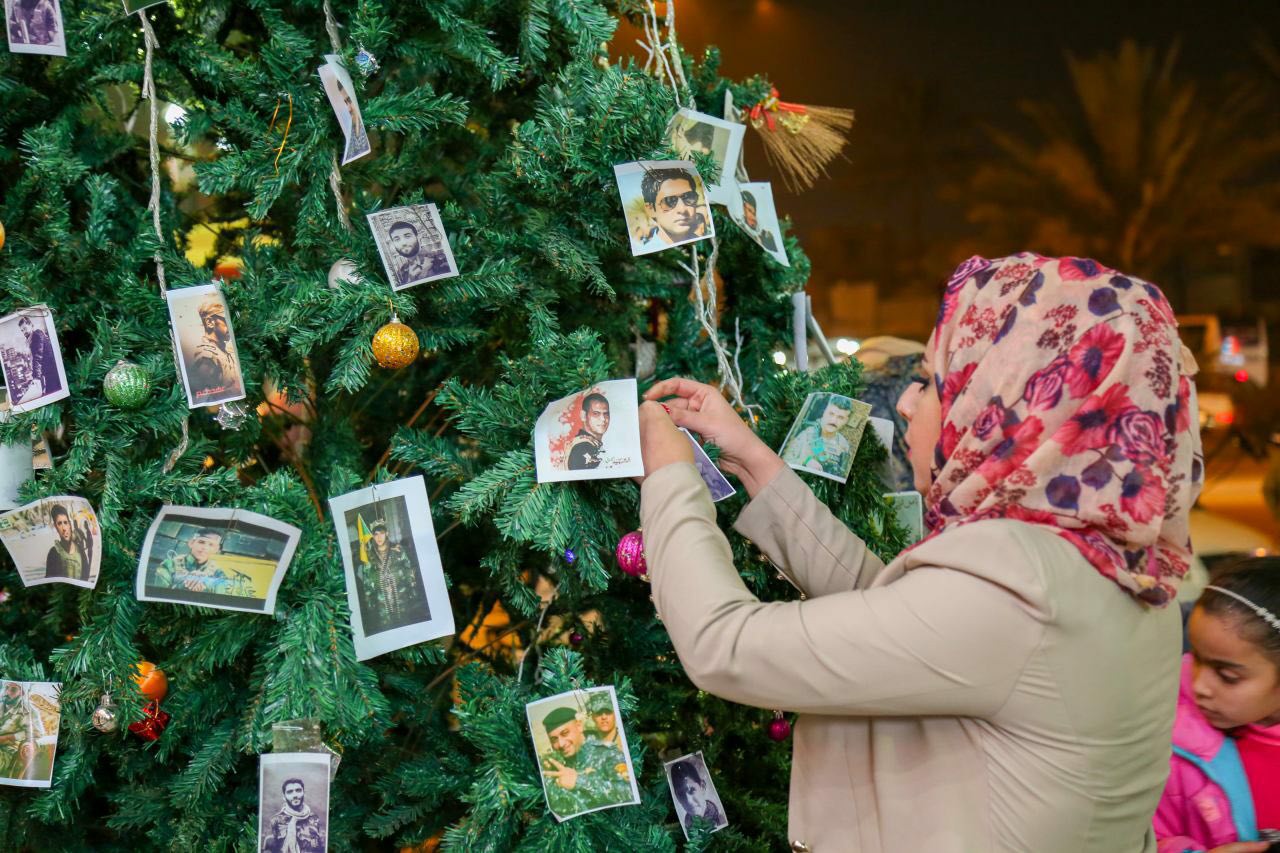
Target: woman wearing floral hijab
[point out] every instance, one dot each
(1008, 683)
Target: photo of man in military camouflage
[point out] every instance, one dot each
(412, 243)
(67, 557)
(197, 570)
(581, 772)
(388, 581)
(30, 712)
(604, 720)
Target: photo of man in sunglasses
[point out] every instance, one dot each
(674, 203)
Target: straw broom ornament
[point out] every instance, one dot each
(800, 140)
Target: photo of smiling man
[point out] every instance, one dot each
(665, 204)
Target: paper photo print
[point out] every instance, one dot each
(30, 715)
(31, 359)
(17, 462)
(413, 245)
(908, 509)
(582, 752)
(35, 26)
(752, 209)
(293, 802)
(395, 581)
(207, 356)
(883, 429)
(227, 559)
(342, 97)
(591, 435)
(719, 487)
(825, 436)
(54, 540)
(698, 133)
(694, 793)
(665, 204)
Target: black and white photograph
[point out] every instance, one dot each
(17, 462)
(751, 207)
(591, 435)
(694, 793)
(395, 582)
(342, 97)
(32, 359)
(30, 716)
(54, 540)
(825, 436)
(226, 559)
(413, 245)
(717, 484)
(207, 355)
(693, 132)
(581, 747)
(665, 204)
(35, 26)
(908, 508)
(293, 802)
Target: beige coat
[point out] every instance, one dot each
(988, 691)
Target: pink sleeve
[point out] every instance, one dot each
(1170, 820)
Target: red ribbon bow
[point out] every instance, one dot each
(770, 107)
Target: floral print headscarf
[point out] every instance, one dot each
(1067, 402)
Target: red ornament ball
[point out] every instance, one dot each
(630, 554)
(779, 728)
(576, 638)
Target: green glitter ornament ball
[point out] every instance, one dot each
(126, 385)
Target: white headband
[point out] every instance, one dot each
(1263, 613)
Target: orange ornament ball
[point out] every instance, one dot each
(151, 681)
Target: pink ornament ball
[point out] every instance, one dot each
(779, 729)
(630, 555)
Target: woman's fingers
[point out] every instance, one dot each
(676, 386)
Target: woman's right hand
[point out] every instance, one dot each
(703, 409)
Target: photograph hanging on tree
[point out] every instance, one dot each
(584, 768)
(665, 204)
(908, 508)
(412, 244)
(692, 132)
(342, 97)
(753, 211)
(825, 435)
(32, 359)
(35, 26)
(882, 428)
(395, 581)
(207, 356)
(717, 484)
(17, 462)
(591, 435)
(133, 6)
(293, 802)
(30, 716)
(694, 793)
(54, 540)
(227, 559)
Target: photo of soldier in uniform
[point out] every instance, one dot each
(293, 802)
(581, 749)
(753, 211)
(207, 356)
(591, 435)
(825, 435)
(35, 26)
(717, 484)
(694, 793)
(342, 97)
(395, 582)
(30, 715)
(665, 204)
(693, 132)
(54, 540)
(31, 359)
(412, 244)
(228, 559)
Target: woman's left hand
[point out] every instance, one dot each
(660, 442)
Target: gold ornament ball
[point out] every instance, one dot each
(1, 235)
(395, 345)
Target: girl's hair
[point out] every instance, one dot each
(1257, 580)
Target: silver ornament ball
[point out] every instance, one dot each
(105, 718)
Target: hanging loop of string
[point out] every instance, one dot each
(287, 124)
(149, 92)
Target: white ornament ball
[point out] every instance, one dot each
(344, 270)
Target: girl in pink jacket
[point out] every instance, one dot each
(1223, 793)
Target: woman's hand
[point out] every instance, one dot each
(702, 409)
(1243, 847)
(660, 442)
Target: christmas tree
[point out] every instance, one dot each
(193, 142)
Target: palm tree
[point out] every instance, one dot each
(1141, 166)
